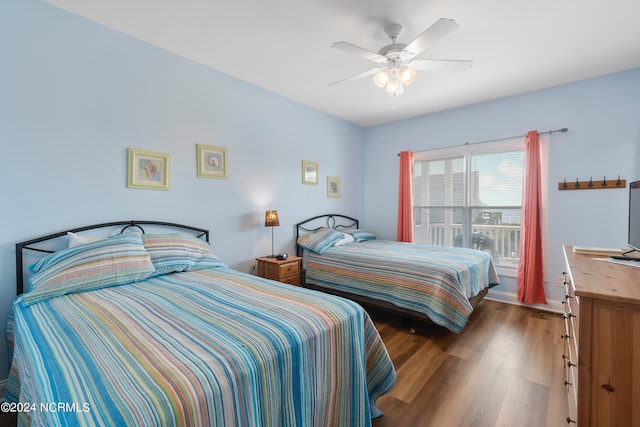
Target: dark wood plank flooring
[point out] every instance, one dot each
(8, 420)
(504, 369)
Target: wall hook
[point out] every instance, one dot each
(590, 185)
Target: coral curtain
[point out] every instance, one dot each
(530, 267)
(405, 198)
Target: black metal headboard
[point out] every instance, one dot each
(335, 221)
(31, 244)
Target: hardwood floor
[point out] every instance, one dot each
(504, 369)
(8, 420)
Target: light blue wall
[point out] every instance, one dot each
(602, 115)
(74, 96)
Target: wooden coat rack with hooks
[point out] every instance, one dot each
(593, 185)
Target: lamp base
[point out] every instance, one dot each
(272, 250)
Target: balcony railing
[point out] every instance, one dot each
(501, 241)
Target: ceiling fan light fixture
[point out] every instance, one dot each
(407, 74)
(395, 86)
(396, 65)
(381, 78)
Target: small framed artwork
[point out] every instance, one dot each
(148, 170)
(212, 161)
(333, 186)
(309, 172)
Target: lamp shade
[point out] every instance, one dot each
(381, 78)
(271, 219)
(407, 75)
(395, 86)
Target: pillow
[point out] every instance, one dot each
(78, 239)
(109, 262)
(362, 236)
(321, 240)
(179, 252)
(348, 238)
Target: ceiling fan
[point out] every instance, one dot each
(396, 64)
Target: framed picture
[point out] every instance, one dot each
(148, 170)
(333, 186)
(309, 172)
(212, 161)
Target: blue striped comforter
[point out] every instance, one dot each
(434, 280)
(213, 347)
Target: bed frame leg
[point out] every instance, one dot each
(412, 328)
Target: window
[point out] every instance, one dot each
(471, 196)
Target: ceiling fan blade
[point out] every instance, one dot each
(431, 35)
(360, 51)
(440, 65)
(358, 76)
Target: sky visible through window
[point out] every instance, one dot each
(500, 178)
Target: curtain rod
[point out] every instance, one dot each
(562, 130)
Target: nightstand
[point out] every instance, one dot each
(285, 271)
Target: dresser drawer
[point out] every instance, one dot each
(572, 396)
(572, 306)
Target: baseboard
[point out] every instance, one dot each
(511, 298)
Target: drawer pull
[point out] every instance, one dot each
(565, 336)
(608, 387)
(568, 316)
(569, 364)
(569, 420)
(567, 382)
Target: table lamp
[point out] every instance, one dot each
(271, 220)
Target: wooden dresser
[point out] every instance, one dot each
(285, 271)
(602, 341)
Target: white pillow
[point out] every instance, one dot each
(348, 238)
(77, 239)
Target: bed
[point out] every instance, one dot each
(437, 284)
(152, 328)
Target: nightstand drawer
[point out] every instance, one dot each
(291, 280)
(289, 269)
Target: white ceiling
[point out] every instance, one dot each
(284, 45)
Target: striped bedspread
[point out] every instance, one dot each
(213, 347)
(434, 280)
